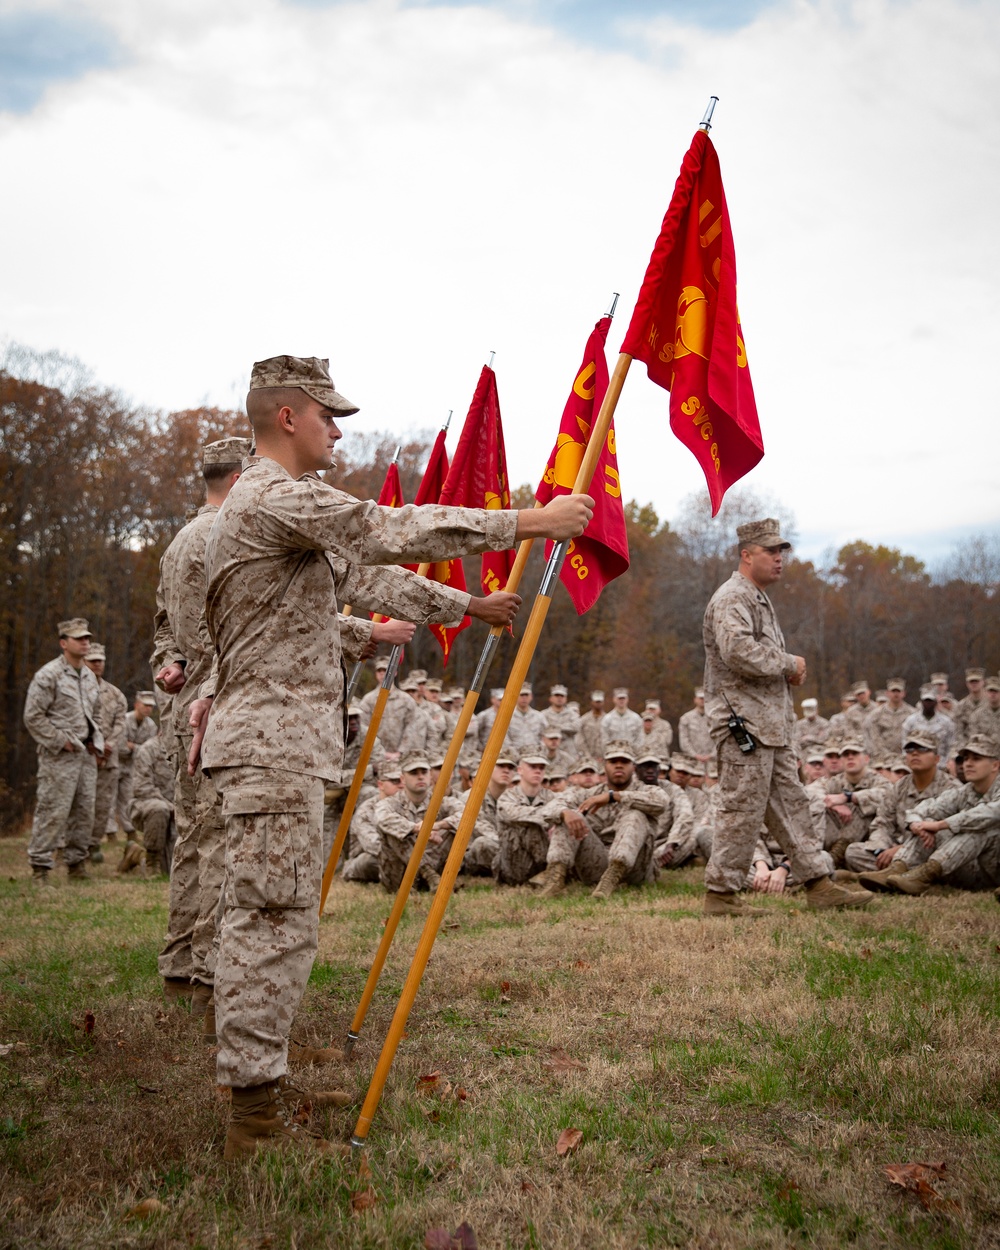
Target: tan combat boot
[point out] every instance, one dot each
(266, 1113)
(843, 877)
(553, 880)
(40, 879)
(613, 874)
(78, 872)
(131, 857)
(718, 903)
(821, 894)
(879, 880)
(202, 997)
(300, 1052)
(176, 989)
(837, 852)
(96, 855)
(431, 878)
(917, 880)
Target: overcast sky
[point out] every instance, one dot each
(191, 185)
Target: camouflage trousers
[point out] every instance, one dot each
(521, 854)
(861, 857)
(123, 799)
(332, 812)
(64, 807)
(969, 861)
(394, 855)
(270, 921)
(761, 788)
(361, 867)
(697, 842)
(480, 854)
(152, 818)
(191, 943)
(629, 840)
(104, 803)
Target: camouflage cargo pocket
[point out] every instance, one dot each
(272, 857)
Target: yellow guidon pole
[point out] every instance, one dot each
(434, 805)
(519, 672)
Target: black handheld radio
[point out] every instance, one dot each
(737, 726)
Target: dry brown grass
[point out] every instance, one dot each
(737, 1084)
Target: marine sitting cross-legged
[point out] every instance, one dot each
(284, 547)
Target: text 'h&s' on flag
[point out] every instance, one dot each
(601, 554)
(686, 327)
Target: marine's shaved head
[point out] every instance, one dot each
(265, 402)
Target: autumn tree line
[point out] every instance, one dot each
(92, 489)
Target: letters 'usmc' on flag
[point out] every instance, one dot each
(601, 554)
(686, 327)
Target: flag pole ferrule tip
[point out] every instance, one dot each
(349, 1044)
(358, 1143)
(706, 122)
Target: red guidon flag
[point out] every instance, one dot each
(601, 554)
(446, 572)
(686, 328)
(478, 474)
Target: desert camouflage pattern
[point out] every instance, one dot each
(523, 834)
(403, 727)
(621, 727)
(64, 807)
(112, 707)
(278, 556)
(270, 919)
(942, 726)
(969, 849)
(889, 827)
(883, 730)
(335, 795)
(986, 720)
(525, 731)
(152, 806)
(623, 830)
(867, 790)
(675, 824)
(590, 740)
(568, 720)
(61, 706)
(395, 818)
(965, 711)
(810, 733)
(658, 740)
(363, 843)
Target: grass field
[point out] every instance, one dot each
(736, 1083)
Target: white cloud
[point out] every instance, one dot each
(405, 189)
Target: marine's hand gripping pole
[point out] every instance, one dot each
(434, 806)
(519, 672)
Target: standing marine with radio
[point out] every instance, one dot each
(748, 702)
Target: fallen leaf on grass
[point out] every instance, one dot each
(559, 1061)
(364, 1170)
(364, 1200)
(916, 1178)
(453, 924)
(527, 1187)
(438, 1239)
(461, 1093)
(6, 1049)
(504, 987)
(429, 1081)
(568, 1141)
(143, 1210)
(581, 965)
(89, 1021)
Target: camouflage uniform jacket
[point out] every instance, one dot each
(280, 552)
(180, 632)
(514, 808)
(884, 731)
(562, 762)
(889, 826)
(403, 726)
(810, 733)
(965, 710)
(621, 727)
(857, 717)
(566, 719)
(396, 815)
(659, 739)
(135, 735)
(745, 659)
(352, 756)
(652, 801)
(437, 728)
(589, 741)
(695, 739)
(112, 708)
(364, 827)
(698, 799)
(154, 773)
(62, 704)
(867, 791)
(965, 810)
(525, 729)
(676, 821)
(986, 720)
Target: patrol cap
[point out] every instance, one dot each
(882, 697)
(699, 692)
(900, 766)
(895, 683)
(815, 756)
(468, 759)
(993, 683)
(975, 674)
(936, 677)
(496, 692)
(597, 696)
(558, 690)
(621, 692)
(810, 703)
(96, 651)
(585, 765)
(506, 757)
(408, 683)
(654, 704)
(530, 755)
(923, 739)
(946, 697)
(526, 688)
(685, 764)
(433, 684)
(437, 761)
(390, 771)
(928, 692)
(831, 747)
(619, 750)
(860, 686)
(225, 451)
(981, 744)
(75, 627)
(550, 732)
(355, 710)
(419, 675)
(457, 692)
(381, 661)
(649, 759)
(765, 533)
(851, 744)
(413, 760)
(649, 713)
(555, 774)
(148, 697)
(878, 763)
(309, 373)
